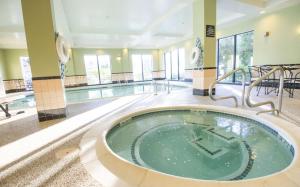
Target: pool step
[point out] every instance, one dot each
(195, 121)
(220, 133)
(208, 148)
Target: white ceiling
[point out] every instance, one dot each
(127, 23)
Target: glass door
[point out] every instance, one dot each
(142, 67)
(235, 52)
(137, 68)
(175, 66)
(26, 72)
(226, 57)
(91, 68)
(105, 69)
(181, 63)
(244, 54)
(147, 67)
(168, 65)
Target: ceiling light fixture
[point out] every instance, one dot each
(262, 12)
(298, 30)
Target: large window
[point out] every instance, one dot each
(235, 52)
(181, 63)
(168, 65)
(104, 69)
(98, 70)
(175, 64)
(142, 67)
(26, 72)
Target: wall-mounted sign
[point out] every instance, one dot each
(210, 31)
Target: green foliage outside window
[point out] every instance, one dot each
(243, 58)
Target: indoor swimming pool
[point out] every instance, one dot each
(200, 144)
(83, 94)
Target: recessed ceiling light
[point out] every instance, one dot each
(298, 30)
(262, 12)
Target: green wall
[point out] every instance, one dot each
(12, 66)
(78, 58)
(2, 64)
(283, 44)
(154, 52)
(205, 13)
(40, 37)
(188, 46)
(123, 65)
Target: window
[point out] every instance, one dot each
(226, 55)
(137, 67)
(235, 52)
(91, 68)
(244, 53)
(98, 69)
(168, 65)
(26, 72)
(104, 68)
(175, 64)
(181, 63)
(142, 67)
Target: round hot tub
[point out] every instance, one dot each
(195, 144)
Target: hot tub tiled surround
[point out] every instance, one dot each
(158, 75)
(122, 77)
(49, 97)
(14, 85)
(140, 176)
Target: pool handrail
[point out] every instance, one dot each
(154, 86)
(280, 94)
(168, 85)
(212, 85)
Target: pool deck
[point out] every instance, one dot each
(72, 161)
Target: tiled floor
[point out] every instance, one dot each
(50, 170)
(14, 130)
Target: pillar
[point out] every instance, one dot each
(47, 83)
(204, 26)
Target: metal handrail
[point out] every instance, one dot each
(258, 81)
(155, 86)
(168, 86)
(212, 85)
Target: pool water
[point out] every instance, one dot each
(84, 94)
(201, 145)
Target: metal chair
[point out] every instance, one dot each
(295, 81)
(288, 79)
(255, 74)
(270, 82)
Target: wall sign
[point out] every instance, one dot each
(210, 31)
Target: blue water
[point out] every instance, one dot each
(201, 145)
(84, 94)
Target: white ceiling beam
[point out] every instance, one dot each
(12, 28)
(179, 5)
(257, 3)
(150, 29)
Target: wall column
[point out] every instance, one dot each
(47, 83)
(204, 19)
